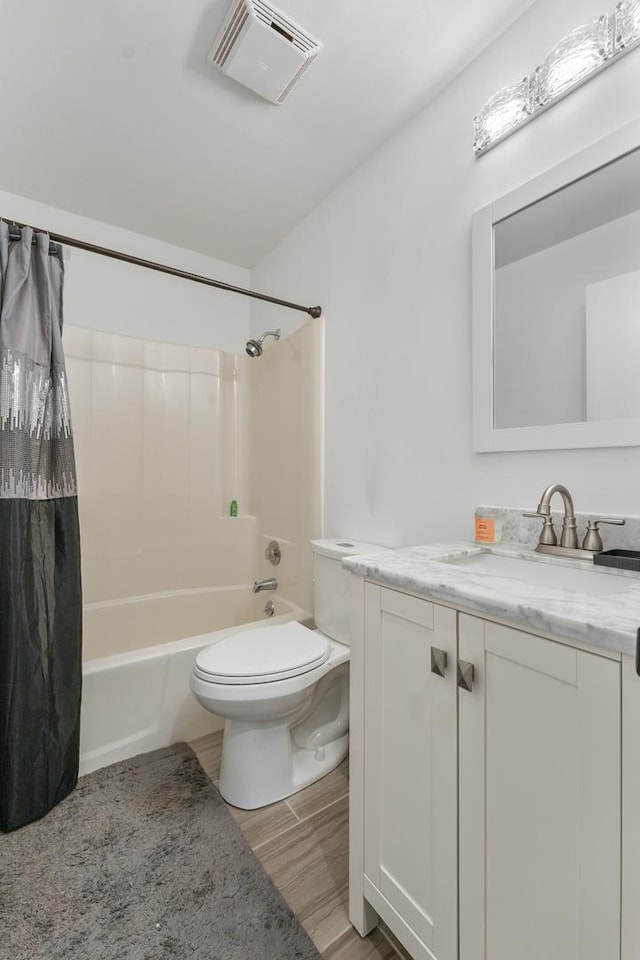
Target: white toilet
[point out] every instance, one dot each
(283, 690)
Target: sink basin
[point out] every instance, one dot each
(541, 573)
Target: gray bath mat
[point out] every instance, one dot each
(142, 862)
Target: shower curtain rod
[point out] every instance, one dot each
(163, 268)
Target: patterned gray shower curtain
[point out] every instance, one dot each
(40, 588)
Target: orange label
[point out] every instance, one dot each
(485, 530)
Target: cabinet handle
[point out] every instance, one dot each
(438, 661)
(638, 652)
(465, 675)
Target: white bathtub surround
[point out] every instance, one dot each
(609, 620)
(169, 435)
(139, 700)
(519, 529)
(284, 424)
(159, 460)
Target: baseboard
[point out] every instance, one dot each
(393, 941)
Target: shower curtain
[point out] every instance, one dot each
(40, 589)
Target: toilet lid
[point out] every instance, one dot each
(263, 655)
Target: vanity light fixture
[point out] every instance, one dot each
(574, 60)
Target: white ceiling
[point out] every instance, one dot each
(109, 109)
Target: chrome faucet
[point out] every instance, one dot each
(569, 538)
(270, 584)
(548, 541)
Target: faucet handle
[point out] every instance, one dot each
(548, 533)
(592, 539)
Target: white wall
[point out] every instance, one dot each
(388, 257)
(117, 297)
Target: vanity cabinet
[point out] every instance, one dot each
(539, 798)
(486, 821)
(410, 765)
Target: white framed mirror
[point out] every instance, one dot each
(556, 305)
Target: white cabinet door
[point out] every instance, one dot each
(630, 812)
(540, 771)
(410, 781)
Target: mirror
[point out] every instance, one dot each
(556, 325)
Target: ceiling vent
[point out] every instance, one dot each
(262, 49)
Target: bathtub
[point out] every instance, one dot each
(138, 655)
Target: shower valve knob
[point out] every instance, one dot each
(273, 553)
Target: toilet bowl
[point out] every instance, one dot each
(283, 691)
(285, 725)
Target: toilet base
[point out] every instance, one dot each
(262, 764)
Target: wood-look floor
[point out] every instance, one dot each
(303, 844)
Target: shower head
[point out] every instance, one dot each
(254, 347)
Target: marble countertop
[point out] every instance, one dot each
(607, 621)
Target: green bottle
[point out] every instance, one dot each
(233, 509)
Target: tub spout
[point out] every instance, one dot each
(270, 584)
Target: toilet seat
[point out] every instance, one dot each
(263, 656)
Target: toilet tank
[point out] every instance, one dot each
(331, 598)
